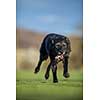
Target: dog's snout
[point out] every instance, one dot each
(60, 52)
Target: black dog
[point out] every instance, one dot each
(58, 48)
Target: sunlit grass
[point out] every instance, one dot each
(32, 86)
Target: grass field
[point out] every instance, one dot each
(32, 86)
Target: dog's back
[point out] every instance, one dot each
(47, 42)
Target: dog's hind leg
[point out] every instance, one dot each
(38, 66)
(42, 58)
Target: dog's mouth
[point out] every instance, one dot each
(59, 57)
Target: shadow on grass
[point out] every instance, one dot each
(72, 80)
(68, 83)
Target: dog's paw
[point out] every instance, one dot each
(36, 70)
(66, 75)
(46, 76)
(55, 81)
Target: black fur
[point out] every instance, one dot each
(58, 48)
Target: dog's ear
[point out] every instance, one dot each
(52, 41)
(67, 40)
(64, 38)
(68, 44)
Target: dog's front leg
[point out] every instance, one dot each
(47, 71)
(54, 72)
(65, 65)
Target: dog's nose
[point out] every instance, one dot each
(60, 52)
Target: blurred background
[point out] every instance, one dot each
(37, 18)
(34, 20)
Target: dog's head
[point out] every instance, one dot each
(62, 47)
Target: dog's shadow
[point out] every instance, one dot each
(65, 82)
(72, 82)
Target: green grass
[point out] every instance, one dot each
(32, 86)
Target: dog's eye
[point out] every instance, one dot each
(64, 44)
(57, 46)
